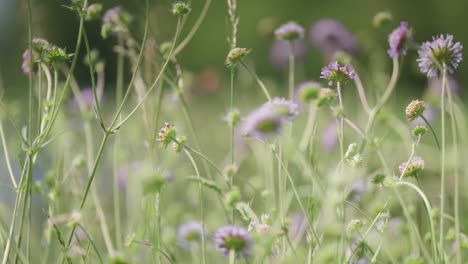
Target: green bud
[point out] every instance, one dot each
(419, 131)
(232, 197)
(93, 12)
(381, 19)
(180, 9)
(309, 92)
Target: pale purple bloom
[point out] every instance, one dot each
(233, 237)
(87, 98)
(330, 36)
(357, 189)
(290, 31)
(435, 85)
(334, 72)
(269, 119)
(329, 139)
(397, 40)
(188, 233)
(26, 65)
(112, 15)
(441, 50)
(297, 227)
(280, 50)
(429, 113)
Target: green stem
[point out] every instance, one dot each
(257, 79)
(7, 159)
(430, 127)
(291, 69)
(442, 168)
(456, 175)
(341, 127)
(307, 136)
(202, 204)
(429, 215)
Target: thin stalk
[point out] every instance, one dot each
(362, 94)
(429, 215)
(291, 69)
(112, 127)
(202, 204)
(442, 168)
(11, 232)
(157, 211)
(39, 97)
(456, 175)
(430, 127)
(341, 127)
(231, 108)
(7, 158)
(257, 79)
(232, 257)
(307, 135)
(194, 29)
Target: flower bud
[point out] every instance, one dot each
(414, 109)
(93, 12)
(180, 9)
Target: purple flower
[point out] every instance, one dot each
(290, 31)
(334, 72)
(435, 85)
(430, 115)
(329, 36)
(357, 189)
(188, 233)
(415, 167)
(112, 15)
(438, 52)
(280, 49)
(329, 139)
(269, 118)
(232, 237)
(397, 40)
(87, 99)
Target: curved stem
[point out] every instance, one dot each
(429, 214)
(307, 135)
(430, 127)
(7, 158)
(255, 76)
(194, 29)
(362, 94)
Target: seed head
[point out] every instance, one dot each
(167, 134)
(414, 109)
(180, 9)
(415, 167)
(236, 55)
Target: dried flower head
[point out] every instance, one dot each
(93, 11)
(415, 167)
(189, 233)
(235, 238)
(442, 50)
(180, 9)
(334, 72)
(329, 36)
(167, 134)
(414, 109)
(290, 31)
(398, 40)
(326, 96)
(236, 55)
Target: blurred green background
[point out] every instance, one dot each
(209, 46)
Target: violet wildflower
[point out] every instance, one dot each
(415, 167)
(357, 189)
(281, 49)
(329, 36)
(435, 85)
(189, 233)
(334, 72)
(290, 31)
(430, 114)
(26, 65)
(233, 238)
(398, 40)
(166, 135)
(442, 50)
(86, 98)
(115, 21)
(269, 119)
(329, 139)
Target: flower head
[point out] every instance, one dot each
(442, 50)
(26, 65)
(329, 36)
(180, 8)
(167, 134)
(114, 21)
(188, 233)
(414, 109)
(306, 91)
(398, 39)
(269, 118)
(235, 238)
(280, 50)
(236, 55)
(334, 72)
(325, 96)
(93, 11)
(381, 19)
(290, 31)
(413, 168)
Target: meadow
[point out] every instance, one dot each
(138, 159)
